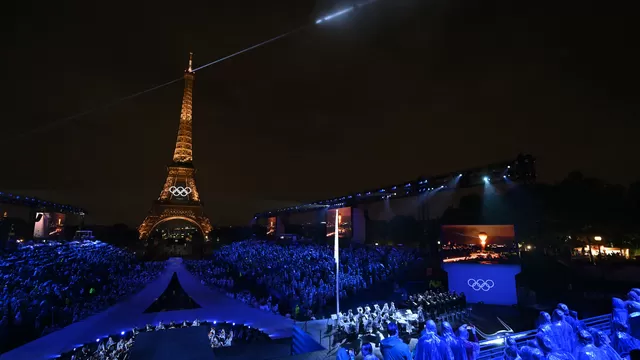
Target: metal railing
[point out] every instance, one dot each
(493, 349)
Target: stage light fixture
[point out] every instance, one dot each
(478, 176)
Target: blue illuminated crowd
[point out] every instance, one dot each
(298, 279)
(45, 287)
(561, 335)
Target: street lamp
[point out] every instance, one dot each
(483, 239)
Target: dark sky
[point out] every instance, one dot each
(400, 89)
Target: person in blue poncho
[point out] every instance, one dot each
(453, 342)
(429, 346)
(392, 347)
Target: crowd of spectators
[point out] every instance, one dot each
(297, 279)
(45, 287)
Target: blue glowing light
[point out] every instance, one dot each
(486, 179)
(97, 340)
(122, 333)
(331, 16)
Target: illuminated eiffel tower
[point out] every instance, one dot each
(179, 198)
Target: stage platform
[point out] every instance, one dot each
(189, 343)
(124, 316)
(280, 348)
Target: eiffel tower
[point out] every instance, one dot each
(179, 198)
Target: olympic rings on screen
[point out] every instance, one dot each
(180, 191)
(479, 284)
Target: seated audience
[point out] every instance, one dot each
(46, 287)
(297, 279)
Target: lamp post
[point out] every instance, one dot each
(483, 239)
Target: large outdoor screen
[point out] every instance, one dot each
(344, 222)
(48, 225)
(500, 235)
(272, 226)
(491, 284)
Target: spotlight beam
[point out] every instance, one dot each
(111, 104)
(249, 48)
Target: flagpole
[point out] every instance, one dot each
(336, 255)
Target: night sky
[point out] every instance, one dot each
(400, 89)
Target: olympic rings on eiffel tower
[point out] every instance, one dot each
(180, 191)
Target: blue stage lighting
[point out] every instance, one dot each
(486, 179)
(122, 333)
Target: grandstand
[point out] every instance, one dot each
(129, 313)
(129, 305)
